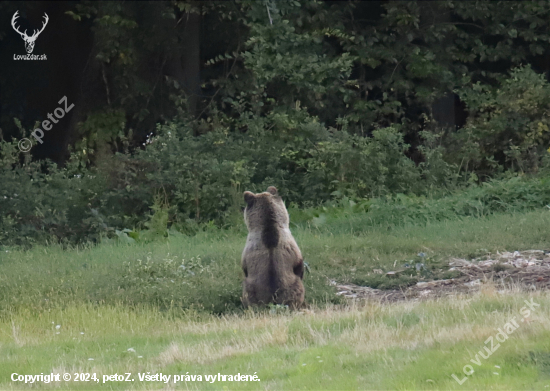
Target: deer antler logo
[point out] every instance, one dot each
(29, 41)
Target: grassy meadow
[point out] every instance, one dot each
(173, 307)
(402, 346)
(409, 140)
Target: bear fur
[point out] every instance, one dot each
(272, 262)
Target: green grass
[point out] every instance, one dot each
(364, 347)
(110, 298)
(152, 274)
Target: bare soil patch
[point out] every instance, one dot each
(528, 270)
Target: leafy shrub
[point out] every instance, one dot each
(508, 125)
(41, 202)
(358, 167)
(200, 182)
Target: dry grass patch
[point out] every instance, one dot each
(210, 351)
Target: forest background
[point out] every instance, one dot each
(181, 106)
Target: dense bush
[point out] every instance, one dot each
(40, 202)
(507, 128)
(180, 180)
(206, 175)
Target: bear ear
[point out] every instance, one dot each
(249, 197)
(272, 190)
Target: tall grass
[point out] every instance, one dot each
(203, 272)
(516, 194)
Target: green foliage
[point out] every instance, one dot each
(195, 173)
(340, 114)
(41, 202)
(281, 53)
(358, 167)
(505, 196)
(157, 226)
(175, 282)
(186, 183)
(508, 124)
(204, 176)
(98, 132)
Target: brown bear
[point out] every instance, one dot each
(272, 262)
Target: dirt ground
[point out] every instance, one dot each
(529, 270)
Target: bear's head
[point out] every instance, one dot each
(265, 211)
